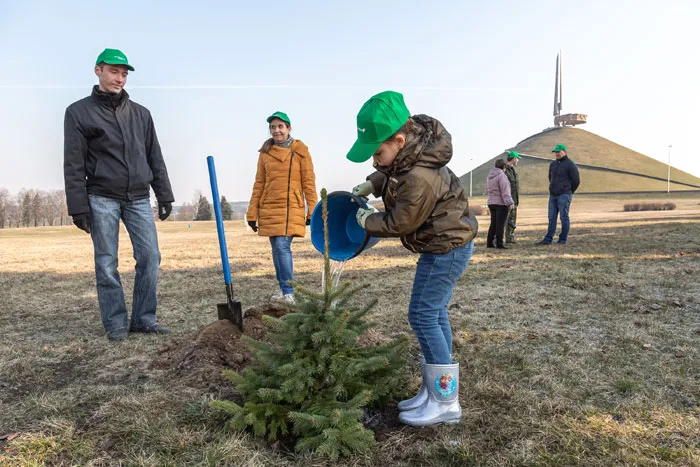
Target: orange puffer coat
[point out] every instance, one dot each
(285, 177)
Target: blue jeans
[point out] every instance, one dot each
(282, 259)
(139, 222)
(558, 205)
(435, 279)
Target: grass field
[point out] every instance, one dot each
(587, 354)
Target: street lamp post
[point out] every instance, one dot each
(668, 188)
(470, 176)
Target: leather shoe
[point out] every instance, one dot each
(118, 335)
(155, 329)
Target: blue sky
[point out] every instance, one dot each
(211, 72)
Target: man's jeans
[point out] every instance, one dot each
(435, 279)
(282, 259)
(558, 205)
(139, 222)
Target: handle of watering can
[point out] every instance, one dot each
(219, 220)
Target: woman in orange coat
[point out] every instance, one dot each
(284, 181)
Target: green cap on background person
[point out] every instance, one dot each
(560, 147)
(281, 115)
(513, 155)
(113, 57)
(379, 118)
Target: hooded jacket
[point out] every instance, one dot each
(284, 180)
(111, 150)
(425, 204)
(498, 188)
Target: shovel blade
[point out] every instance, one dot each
(231, 311)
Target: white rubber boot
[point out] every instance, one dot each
(422, 396)
(442, 406)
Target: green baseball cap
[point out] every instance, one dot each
(513, 155)
(281, 115)
(560, 147)
(379, 118)
(113, 57)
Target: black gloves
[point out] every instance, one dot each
(308, 221)
(83, 221)
(253, 225)
(164, 210)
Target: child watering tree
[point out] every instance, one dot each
(426, 206)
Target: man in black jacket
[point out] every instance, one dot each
(563, 182)
(111, 160)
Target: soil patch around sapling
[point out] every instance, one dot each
(198, 361)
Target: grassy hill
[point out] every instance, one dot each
(586, 148)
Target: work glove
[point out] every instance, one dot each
(308, 221)
(364, 189)
(253, 225)
(362, 215)
(164, 210)
(83, 221)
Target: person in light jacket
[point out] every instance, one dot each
(500, 203)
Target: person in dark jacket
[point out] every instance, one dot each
(426, 206)
(512, 162)
(500, 202)
(111, 161)
(563, 182)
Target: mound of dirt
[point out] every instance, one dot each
(199, 361)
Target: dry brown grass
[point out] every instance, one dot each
(578, 355)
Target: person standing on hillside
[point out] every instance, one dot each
(500, 203)
(284, 180)
(513, 159)
(563, 182)
(111, 161)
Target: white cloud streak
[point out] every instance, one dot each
(189, 87)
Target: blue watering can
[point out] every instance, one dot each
(346, 238)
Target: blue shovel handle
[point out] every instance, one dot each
(219, 220)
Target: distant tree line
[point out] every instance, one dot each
(37, 208)
(200, 209)
(33, 208)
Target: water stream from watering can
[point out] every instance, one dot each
(336, 271)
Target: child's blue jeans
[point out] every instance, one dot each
(435, 279)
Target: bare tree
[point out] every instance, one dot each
(60, 206)
(13, 213)
(186, 212)
(4, 200)
(52, 207)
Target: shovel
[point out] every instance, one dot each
(231, 310)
